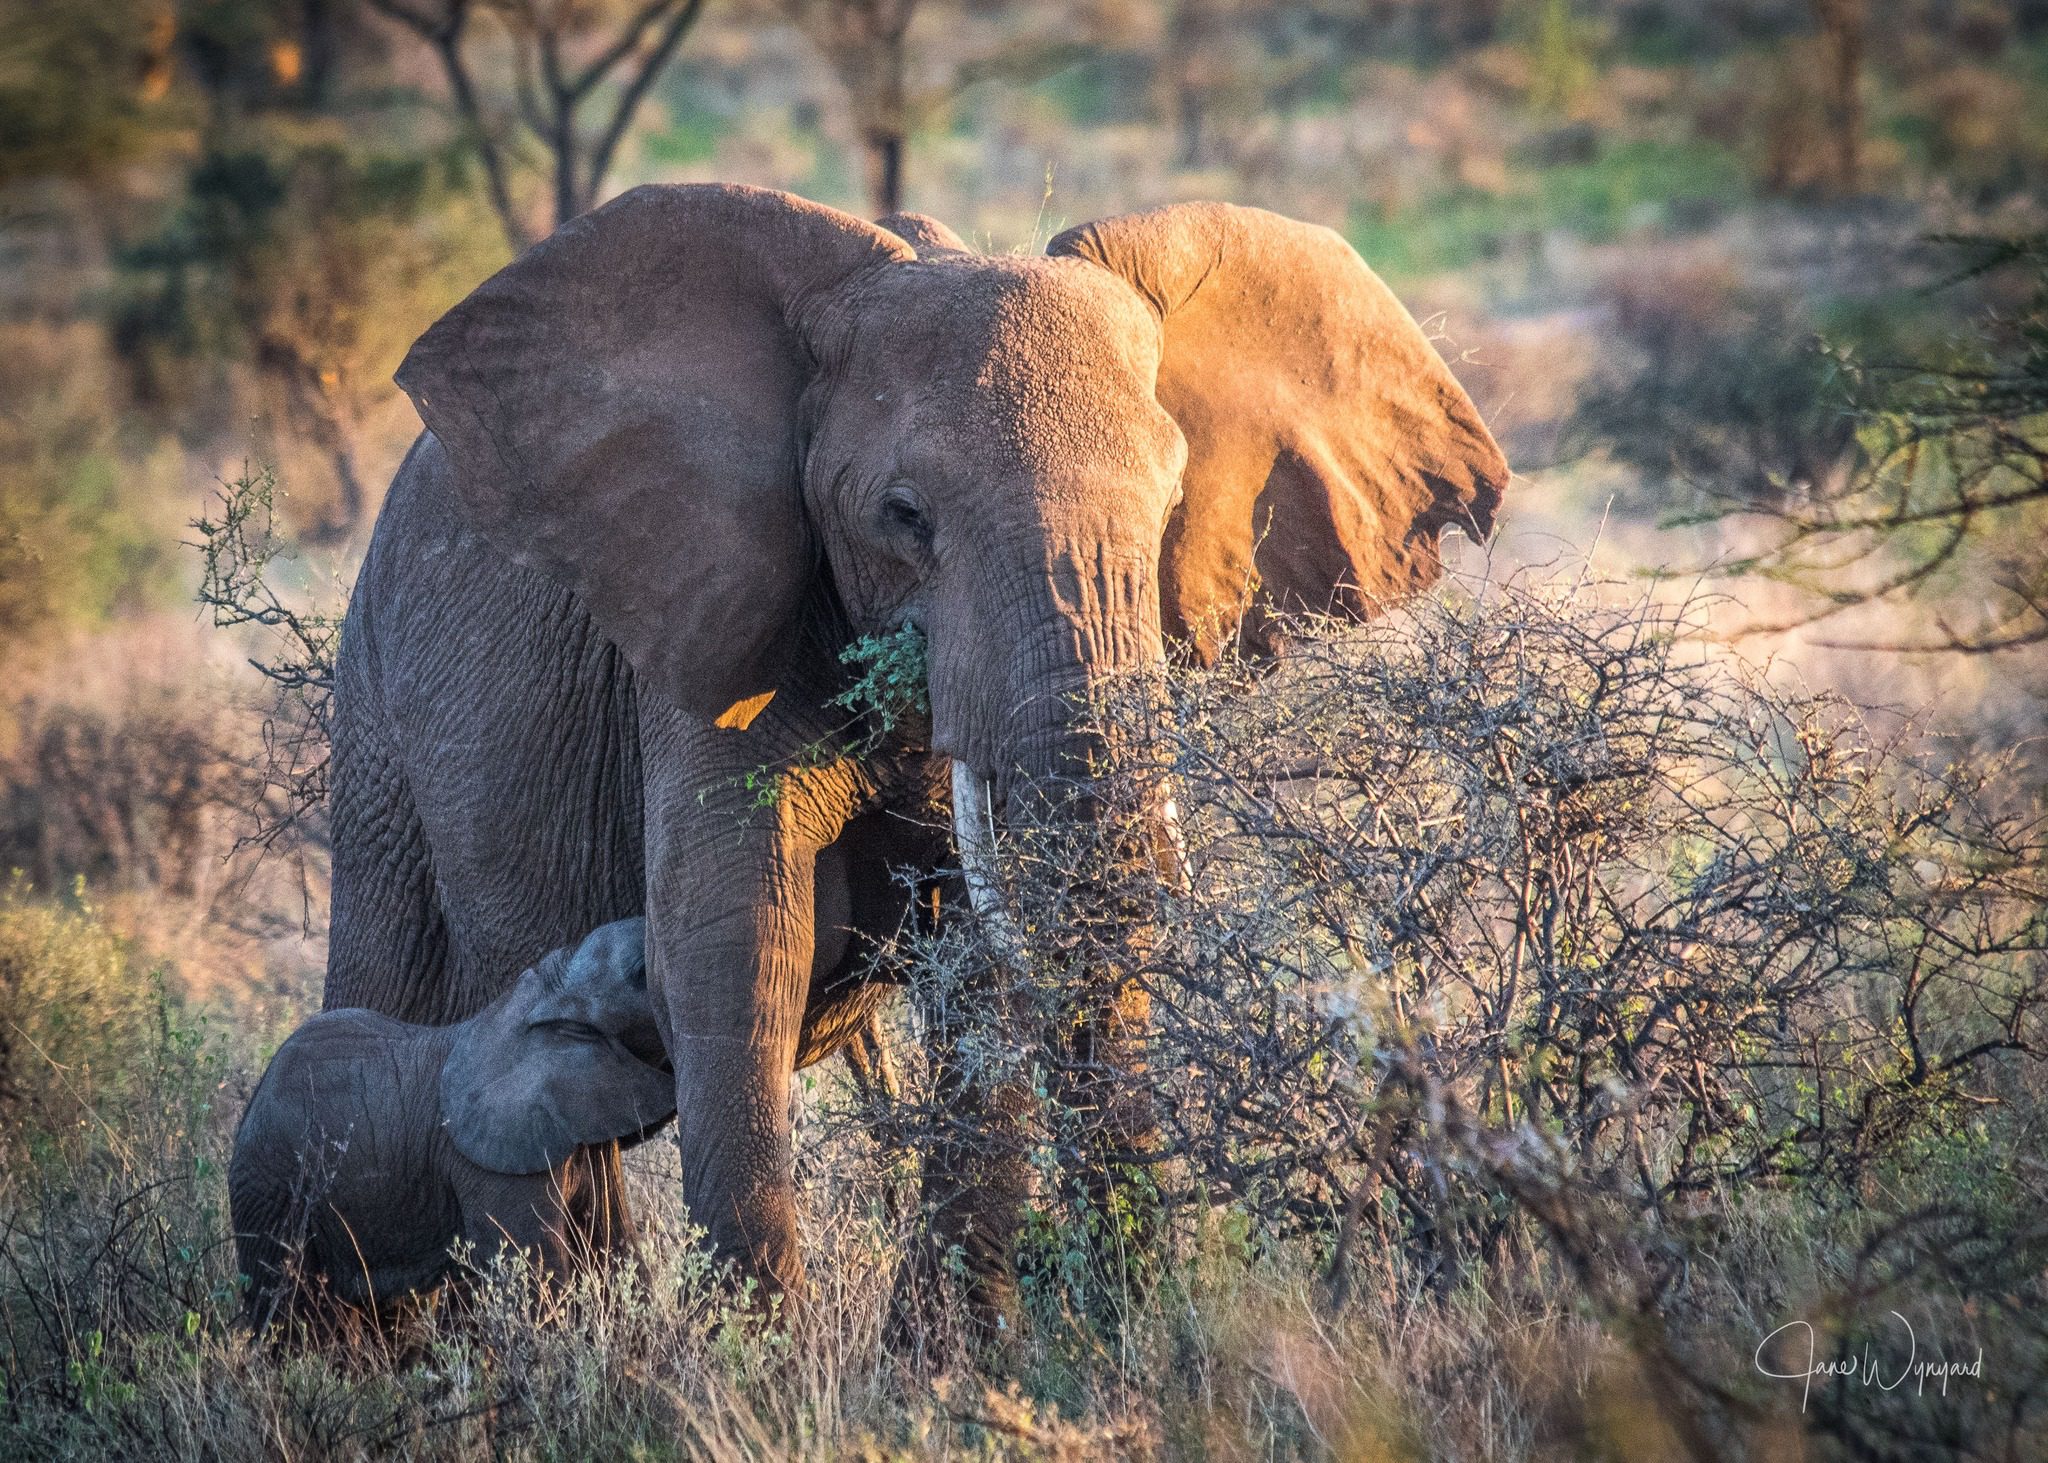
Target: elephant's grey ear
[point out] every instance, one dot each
(568, 1056)
(1328, 444)
(923, 233)
(619, 407)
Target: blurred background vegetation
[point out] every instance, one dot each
(1669, 243)
(1751, 290)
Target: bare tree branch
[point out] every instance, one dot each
(445, 34)
(651, 67)
(547, 98)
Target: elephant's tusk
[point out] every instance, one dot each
(1179, 875)
(974, 834)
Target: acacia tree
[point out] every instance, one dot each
(863, 42)
(580, 70)
(1843, 24)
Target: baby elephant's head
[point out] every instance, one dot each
(570, 1055)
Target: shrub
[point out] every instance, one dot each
(1521, 945)
(138, 795)
(112, 1225)
(1718, 392)
(75, 1020)
(1943, 497)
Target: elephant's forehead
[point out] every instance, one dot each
(1045, 359)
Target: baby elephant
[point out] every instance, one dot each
(371, 1145)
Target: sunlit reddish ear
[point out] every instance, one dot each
(619, 408)
(1328, 444)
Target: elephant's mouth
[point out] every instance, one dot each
(975, 832)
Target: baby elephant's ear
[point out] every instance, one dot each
(552, 1064)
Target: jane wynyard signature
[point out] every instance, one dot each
(1796, 1360)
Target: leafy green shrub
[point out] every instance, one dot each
(889, 687)
(884, 688)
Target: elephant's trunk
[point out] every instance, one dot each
(976, 829)
(1034, 752)
(1094, 1044)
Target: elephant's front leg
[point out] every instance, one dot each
(731, 937)
(977, 1178)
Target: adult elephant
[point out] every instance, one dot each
(681, 452)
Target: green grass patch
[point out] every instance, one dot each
(1634, 187)
(1100, 91)
(692, 134)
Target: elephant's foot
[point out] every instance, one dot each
(964, 1259)
(950, 1290)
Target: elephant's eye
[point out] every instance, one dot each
(902, 513)
(572, 1030)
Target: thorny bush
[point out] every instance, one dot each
(1511, 933)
